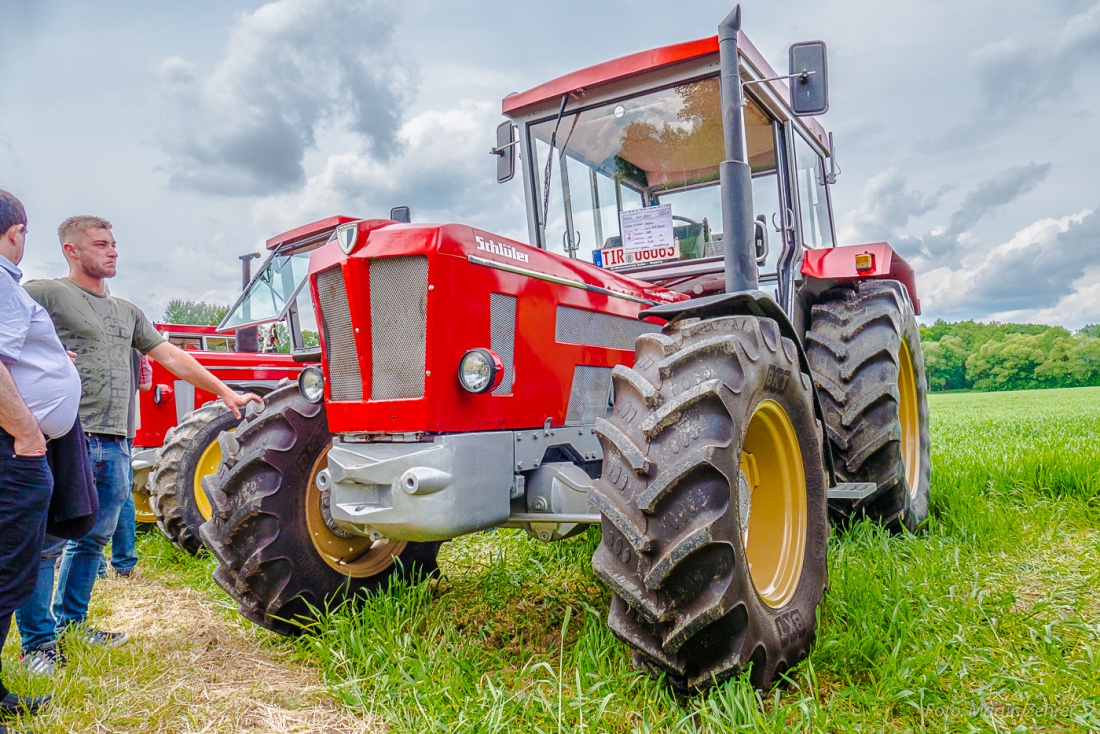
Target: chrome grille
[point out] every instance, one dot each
(398, 319)
(345, 380)
(502, 337)
(589, 394)
(577, 326)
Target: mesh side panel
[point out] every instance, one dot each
(345, 380)
(502, 330)
(577, 326)
(398, 316)
(588, 396)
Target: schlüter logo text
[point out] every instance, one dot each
(499, 248)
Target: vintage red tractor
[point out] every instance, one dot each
(176, 444)
(682, 355)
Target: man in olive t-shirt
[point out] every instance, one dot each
(101, 329)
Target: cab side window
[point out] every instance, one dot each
(817, 223)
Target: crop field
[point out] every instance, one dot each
(987, 621)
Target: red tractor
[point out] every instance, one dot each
(682, 356)
(176, 445)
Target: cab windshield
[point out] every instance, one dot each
(272, 291)
(661, 149)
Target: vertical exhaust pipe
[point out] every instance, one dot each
(248, 339)
(735, 174)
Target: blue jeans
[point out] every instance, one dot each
(110, 457)
(123, 554)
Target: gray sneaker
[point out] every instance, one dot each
(92, 636)
(44, 659)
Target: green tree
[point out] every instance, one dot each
(1012, 363)
(196, 313)
(945, 364)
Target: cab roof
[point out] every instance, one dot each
(309, 231)
(516, 104)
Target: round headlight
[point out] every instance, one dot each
(311, 383)
(480, 370)
(161, 393)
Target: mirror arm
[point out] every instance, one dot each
(802, 77)
(503, 149)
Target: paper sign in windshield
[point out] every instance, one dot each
(647, 229)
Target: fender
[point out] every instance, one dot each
(837, 264)
(748, 303)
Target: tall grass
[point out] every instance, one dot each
(988, 620)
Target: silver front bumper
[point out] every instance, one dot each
(436, 490)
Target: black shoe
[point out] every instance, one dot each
(13, 705)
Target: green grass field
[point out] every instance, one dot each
(988, 621)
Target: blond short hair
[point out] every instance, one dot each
(75, 225)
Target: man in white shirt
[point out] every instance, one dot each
(39, 397)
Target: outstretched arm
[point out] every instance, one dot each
(184, 366)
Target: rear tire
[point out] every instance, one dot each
(864, 351)
(190, 453)
(276, 555)
(713, 503)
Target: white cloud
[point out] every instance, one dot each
(288, 69)
(1044, 264)
(443, 170)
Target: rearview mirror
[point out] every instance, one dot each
(401, 214)
(809, 78)
(505, 151)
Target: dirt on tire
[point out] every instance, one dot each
(673, 547)
(862, 341)
(268, 560)
(172, 487)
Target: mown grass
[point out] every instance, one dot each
(989, 620)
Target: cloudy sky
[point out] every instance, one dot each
(966, 130)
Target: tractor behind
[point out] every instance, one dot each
(682, 355)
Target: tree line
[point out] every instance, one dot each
(968, 355)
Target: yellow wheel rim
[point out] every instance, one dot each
(142, 511)
(358, 557)
(909, 417)
(208, 464)
(775, 482)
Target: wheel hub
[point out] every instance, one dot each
(774, 527)
(207, 465)
(909, 418)
(349, 554)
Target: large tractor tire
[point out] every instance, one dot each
(713, 502)
(865, 355)
(279, 555)
(190, 453)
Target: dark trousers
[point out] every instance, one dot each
(25, 488)
(5, 625)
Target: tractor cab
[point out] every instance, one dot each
(620, 164)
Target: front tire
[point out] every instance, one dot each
(278, 555)
(713, 503)
(864, 351)
(189, 454)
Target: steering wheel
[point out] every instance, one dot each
(685, 219)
